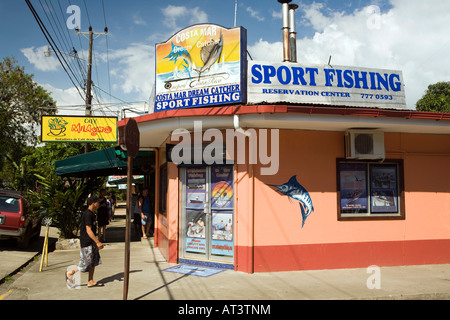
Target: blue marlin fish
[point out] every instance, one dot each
(296, 191)
(179, 52)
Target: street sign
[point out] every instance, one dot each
(132, 138)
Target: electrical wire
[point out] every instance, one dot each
(107, 49)
(51, 42)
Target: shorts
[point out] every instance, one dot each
(89, 258)
(149, 219)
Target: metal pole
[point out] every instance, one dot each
(89, 84)
(235, 12)
(126, 275)
(292, 33)
(285, 11)
(88, 101)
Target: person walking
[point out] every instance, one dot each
(102, 216)
(146, 217)
(90, 246)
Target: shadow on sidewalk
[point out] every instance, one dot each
(117, 276)
(166, 284)
(115, 231)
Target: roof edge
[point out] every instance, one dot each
(272, 108)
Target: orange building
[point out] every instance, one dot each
(265, 166)
(388, 210)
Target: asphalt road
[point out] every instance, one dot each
(13, 259)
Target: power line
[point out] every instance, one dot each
(59, 36)
(87, 13)
(51, 42)
(107, 49)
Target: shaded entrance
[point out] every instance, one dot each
(207, 216)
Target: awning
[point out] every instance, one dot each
(103, 163)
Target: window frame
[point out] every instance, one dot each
(371, 216)
(163, 186)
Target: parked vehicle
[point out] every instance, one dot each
(15, 219)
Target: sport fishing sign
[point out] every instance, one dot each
(323, 84)
(202, 65)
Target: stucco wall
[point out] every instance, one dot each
(281, 244)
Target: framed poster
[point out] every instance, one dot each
(353, 187)
(222, 188)
(196, 232)
(384, 188)
(196, 188)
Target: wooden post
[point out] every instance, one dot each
(126, 275)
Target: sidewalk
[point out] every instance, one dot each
(149, 281)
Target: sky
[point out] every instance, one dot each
(408, 35)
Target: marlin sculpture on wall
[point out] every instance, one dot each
(296, 191)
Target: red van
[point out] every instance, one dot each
(15, 222)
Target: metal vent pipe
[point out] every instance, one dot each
(292, 33)
(285, 11)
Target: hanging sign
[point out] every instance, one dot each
(325, 85)
(79, 129)
(203, 65)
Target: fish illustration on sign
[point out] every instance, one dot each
(293, 189)
(210, 54)
(179, 52)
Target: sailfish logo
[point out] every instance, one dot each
(181, 53)
(296, 191)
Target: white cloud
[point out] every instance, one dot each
(68, 100)
(38, 59)
(137, 19)
(136, 69)
(177, 16)
(277, 14)
(255, 14)
(412, 37)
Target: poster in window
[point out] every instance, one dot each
(196, 188)
(222, 234)
(353, 187)
(383, 185)
(222, 188)
(195, 232)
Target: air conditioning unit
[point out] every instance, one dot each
(364, 144)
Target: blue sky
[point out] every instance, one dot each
(408, 35)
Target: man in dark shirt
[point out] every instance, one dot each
(90, 245)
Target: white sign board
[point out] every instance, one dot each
(270, 82)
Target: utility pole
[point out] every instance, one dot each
(89, 74)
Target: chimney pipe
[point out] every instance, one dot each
(292, 33)
(285, 11)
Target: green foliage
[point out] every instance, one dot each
(22, 103)
(436, 98)
(62, 201)
(57, 123)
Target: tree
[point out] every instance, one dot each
(22, 103)
(436, 98)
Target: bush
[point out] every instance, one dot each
(62, 201)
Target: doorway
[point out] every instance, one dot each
(207, 215)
